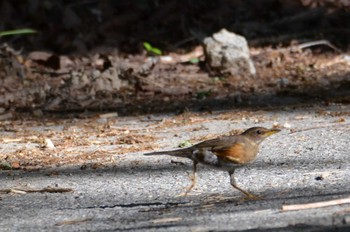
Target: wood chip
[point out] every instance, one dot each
(48, 144)
(166, 220)
(109, 115)
(17, 191)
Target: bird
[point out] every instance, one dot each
(225, 153)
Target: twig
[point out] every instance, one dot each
(177, 162)
(73, 222)
(316, 204)
(44, 190)
(189, 39)
(320, 126)
(318, 42)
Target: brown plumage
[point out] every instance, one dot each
(224, 153)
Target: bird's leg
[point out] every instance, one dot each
(234, 184)
(193, 178)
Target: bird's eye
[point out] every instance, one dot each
(259, 132)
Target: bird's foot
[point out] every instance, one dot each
(183, 194)
(186, 192)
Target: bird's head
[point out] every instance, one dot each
(258, 134)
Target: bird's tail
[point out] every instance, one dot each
(179, 153)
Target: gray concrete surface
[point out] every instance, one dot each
(140, 193)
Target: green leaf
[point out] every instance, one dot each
(185, 143)
(5, 166)
(203, 94)
(147, 46)
(157, 51)
(18, 32)
(194, 60)
(150, 49)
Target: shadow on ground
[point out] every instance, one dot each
(336, 92)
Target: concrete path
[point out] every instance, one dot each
(141, 193)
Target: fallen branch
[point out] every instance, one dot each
(73, 222)
(319, 42)
(316, 204)
(44, 190)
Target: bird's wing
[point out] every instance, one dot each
(234, 153)
(229, 148)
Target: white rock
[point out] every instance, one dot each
(228, 52)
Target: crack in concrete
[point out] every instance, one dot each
(131, 205)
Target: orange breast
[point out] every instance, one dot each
(239, 153)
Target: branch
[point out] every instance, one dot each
(316, 204)
(320, 126)
(44, 190)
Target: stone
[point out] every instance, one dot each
(228, 52)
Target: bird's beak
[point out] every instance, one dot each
(272, 131)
